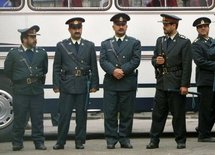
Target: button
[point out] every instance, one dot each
(76, 67)
(30, 67)
(82, 61)
(123, 57)
(35, 67)
(117, 65)
(30, 74)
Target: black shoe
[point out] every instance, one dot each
(110, 146)
(79, 146)
(152, 145)
(127, 146)
(209, 139)
(58, 147)
(40, 147)
(17, 147)
(181, 146)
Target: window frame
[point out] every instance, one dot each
(69, 8)
(202, 8)
(14, 8)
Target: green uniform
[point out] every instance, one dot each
(119, 95)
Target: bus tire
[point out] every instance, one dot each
(6, 110)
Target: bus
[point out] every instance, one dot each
(51, 15)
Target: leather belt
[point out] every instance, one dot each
(165, 70)
(77, 72)
(28, 81)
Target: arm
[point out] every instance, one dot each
(8, 65)
(95, 78)
(200, 59)
(106, 65)
(57, 69)
(134, 62)
(186, 64)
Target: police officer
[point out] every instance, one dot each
(172, 61)
(119, 58)
(75, 74)
(205, 68)
(26, 66)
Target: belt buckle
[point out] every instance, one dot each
(28, 80)
(78, 72)
(165, 70)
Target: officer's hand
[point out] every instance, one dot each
(183, 90)
(160, 60)
(93, 90)
(118, 73)
(56, 90)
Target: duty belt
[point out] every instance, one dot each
(77, 72)
(28, 81)
(165, 70)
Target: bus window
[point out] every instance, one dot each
(10, 3)
(164, 3)
(71, 3)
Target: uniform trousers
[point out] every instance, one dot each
(22, 106)
(206, 111)
(118, 127)
(68, 102)
(165, 102)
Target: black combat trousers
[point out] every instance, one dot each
(165, 102)
(206, 111)
(24, 105)
(118, 115)
(68, 102)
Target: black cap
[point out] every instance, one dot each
(30, 31)
(75, 22)
(169, 19)
(201, 21)
(120, 17)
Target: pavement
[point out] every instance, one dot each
(96, 145)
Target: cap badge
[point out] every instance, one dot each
(75, 22)
(120, 19)
(202, 22)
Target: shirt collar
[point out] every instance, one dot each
(74, 41)
(172, 36)
(122, 38)
(25, 48)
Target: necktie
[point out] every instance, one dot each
(76, 46)
(29, 54)
(119, 42)
(169, 40)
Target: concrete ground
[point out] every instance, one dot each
(96, 145)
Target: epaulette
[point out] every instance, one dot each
(197, 39)
(182, 36)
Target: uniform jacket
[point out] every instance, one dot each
(63, 63)
(204, 66)
(178, 53)
(127, 57)
(16, 69)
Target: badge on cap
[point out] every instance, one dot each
(202, 22)
(121, 19)
(75, 22)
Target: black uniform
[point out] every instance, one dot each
(71, 71)
(205, 68)
(28, 94)
(119, 95)
(175, 73)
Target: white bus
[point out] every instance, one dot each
(51, 15)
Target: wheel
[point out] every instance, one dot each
(6, 110)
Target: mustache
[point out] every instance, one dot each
(77, 33)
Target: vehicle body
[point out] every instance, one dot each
(50, 15)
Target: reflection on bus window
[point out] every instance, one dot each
(70, 3)
(164, 3)
(10, 3)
